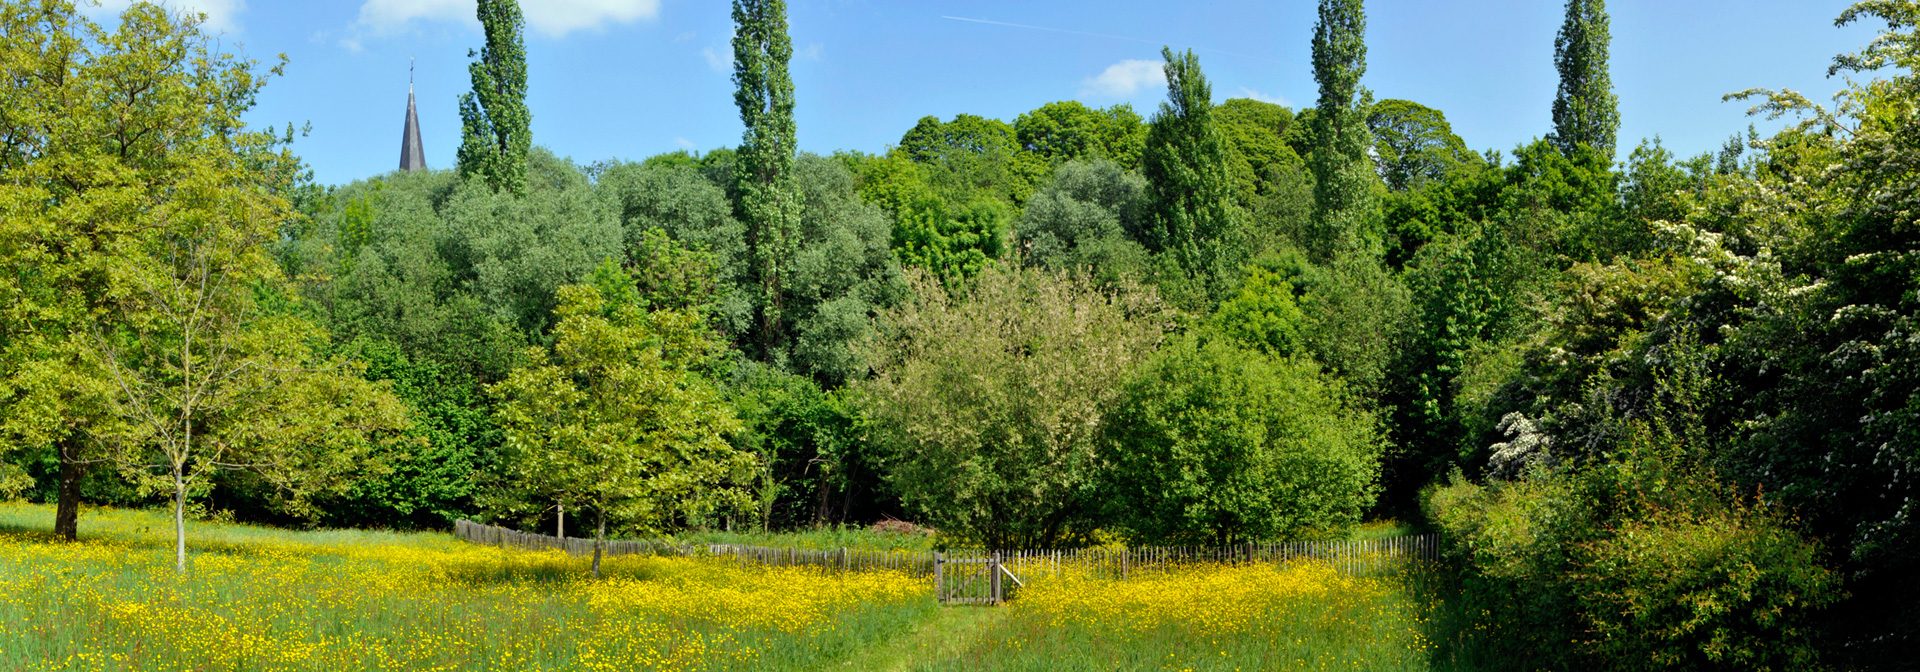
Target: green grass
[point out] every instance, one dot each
(268, 599)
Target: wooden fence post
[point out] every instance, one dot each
(993, 580)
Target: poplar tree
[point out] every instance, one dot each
(1344, 205)
(769, 201)
(1189, 187)
(1585, 110)
(494, 121)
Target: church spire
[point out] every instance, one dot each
(411, 156)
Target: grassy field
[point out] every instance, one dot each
(264, 599)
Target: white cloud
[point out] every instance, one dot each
(1246, 92)
(556, 18)
(1124, 79)
(684, 143)
(223, 16)
(549, 18)
(721, 60)
(392, 16)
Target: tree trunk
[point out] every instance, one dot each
(599, 542)
(560, 523)
(179, 520)
(66, 516)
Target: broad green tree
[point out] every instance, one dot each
(986, 406)
(1216, 444)
(68, 203)
(1413, 144)
(973, 157)
(1585, 110)
(1345, 211)
(1064, 131)
(619, 418)
(1079, 223)
(135, 222)
(1270, 179)
(769, 202)
(1191, 214)
(495, 125)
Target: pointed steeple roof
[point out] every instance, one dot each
(411, 156)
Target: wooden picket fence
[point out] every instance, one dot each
(1360, 557)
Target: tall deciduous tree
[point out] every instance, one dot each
(1585, 111)
(1192, 215)
(987, 405)
(769, 200)
(1345, 210)
(134, 222)
(495, 133)
(138, 228)
(71, 178)
(617, 417)
(1414, 145)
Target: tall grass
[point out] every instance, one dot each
(265, 599)
(1303, 615)
(274, 600)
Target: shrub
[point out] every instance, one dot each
(1214, 443)
(1730, 591)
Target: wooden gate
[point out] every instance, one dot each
(972, 580)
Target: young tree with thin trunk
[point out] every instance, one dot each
(618, 419)
(769, 202)
(204, 376)
(1585, 110)
(495, 125)
(1346, 211)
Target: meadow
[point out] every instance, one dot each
(265, 599)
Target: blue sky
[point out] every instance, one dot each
(632, 78)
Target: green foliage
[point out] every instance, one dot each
(986, 406)
(1731, 592)
(1212, 443)
(1064, 131)
(676, 198)
(1414, 145)
(952, 240)
(973, 158)
(1191, 216)
(495, 125)
(768, 202)
(512, 252)
(952, 243)
(432, 482)
(1265, 315)
(618, 418)
(1080, 220)
(814, 471)
(1610, 571)
(1271, 180)
(1585, 110)
(1357, 314)
(1345, 209)
(146, 319)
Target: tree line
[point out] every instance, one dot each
(1662, 409)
